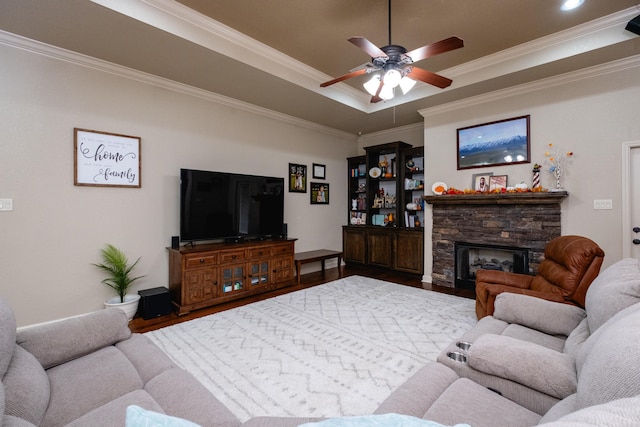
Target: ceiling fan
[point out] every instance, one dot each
(396, 64)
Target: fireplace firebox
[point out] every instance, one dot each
(471, 257)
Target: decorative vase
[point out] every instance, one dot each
(557, 172)
(129, 306)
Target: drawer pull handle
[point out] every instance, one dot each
(201, 260)
(233, 256)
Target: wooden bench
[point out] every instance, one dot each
(313, 256)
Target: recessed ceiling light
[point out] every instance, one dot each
(571, 4)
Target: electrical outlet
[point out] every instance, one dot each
(6, 204)
(603, 204)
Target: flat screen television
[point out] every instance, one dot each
(229, 206)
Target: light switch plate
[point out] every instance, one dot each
(603, 204)
(6, 204)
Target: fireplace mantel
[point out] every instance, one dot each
(530, 198)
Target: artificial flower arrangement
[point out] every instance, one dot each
(557, 161)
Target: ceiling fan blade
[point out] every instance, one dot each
(364, 44)
(429, 77)
(345, 77)
(435, 48)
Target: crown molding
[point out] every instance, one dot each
(43, 49)
(175, 18)
(562, 79)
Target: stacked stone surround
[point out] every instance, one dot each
(528, 220)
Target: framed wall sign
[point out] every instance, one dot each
(319, 171)
(319, 193)
(297, 178)
(105, 159)
(505, 142)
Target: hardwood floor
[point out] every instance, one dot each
(308, 280)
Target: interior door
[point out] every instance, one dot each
(631, 200)
(634, 203)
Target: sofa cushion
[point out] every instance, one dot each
(7, 335)
(56, 343)
(525, 310)
(83, 384)
(429, 382)
(608, 369)
(467, 401)
(145, 356)
(576, 338)
(529, 364)
(113, 413)
(615, 288)
(618, 413)
(26, 387)
(180, 394)
(533, 336)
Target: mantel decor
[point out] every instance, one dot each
(106, 159)
(504, 142)
(523, 198)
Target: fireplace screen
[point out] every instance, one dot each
(471, 257)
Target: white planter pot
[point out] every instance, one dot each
(129, 306)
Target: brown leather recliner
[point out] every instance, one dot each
(570, 264)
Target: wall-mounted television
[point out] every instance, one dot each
(230, 206)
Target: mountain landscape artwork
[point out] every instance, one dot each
(496, 143)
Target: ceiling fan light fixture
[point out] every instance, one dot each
(392, 78)
(372, 84)
(386, 93)
(406, 84)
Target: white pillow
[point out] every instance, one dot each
(139, 417)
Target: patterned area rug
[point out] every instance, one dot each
(336, 349)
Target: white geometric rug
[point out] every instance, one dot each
(335, 349)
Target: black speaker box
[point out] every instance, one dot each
(634, 25)
(175, 242)
(154, 302)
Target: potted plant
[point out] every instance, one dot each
(118, 269)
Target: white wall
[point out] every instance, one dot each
(590, 116)
(56, 229)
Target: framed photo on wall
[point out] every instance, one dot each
(319, 193)
(480, 182)
(319, 171)
(297, 178)
(504, 142)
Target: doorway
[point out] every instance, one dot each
(631, 199)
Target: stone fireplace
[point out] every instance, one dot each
(518, 220)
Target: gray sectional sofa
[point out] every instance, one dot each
(86, 371)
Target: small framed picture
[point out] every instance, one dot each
(297, 178)
(480, 182)
(319, 171)
(497, 182)
(319, 193)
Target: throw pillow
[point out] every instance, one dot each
(139, 417)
